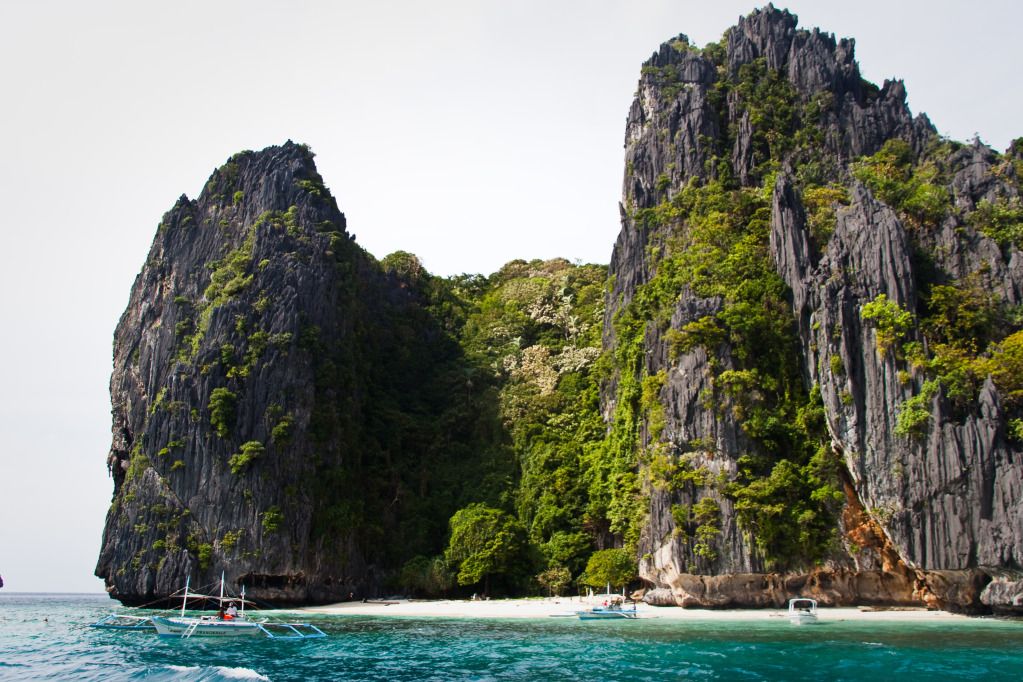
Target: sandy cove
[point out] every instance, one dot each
(542, 608)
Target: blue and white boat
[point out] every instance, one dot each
(610, 610)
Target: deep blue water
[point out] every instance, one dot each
(62, 647)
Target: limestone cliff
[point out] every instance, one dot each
(766, 162)
(278, 400)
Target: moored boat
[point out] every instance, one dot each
(230, 622)
(609, 610)
(802, 611)
(204, 626)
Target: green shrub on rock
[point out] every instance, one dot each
(250, 451)
(222, 407)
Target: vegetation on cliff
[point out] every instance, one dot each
(530, 338)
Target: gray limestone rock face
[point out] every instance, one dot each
(766, 33)
(944, 498)
(218, 391)
(943, 505)
(677, 122)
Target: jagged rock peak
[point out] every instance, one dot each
(732, 110)
(272, 179)
(767, 33)
(812, 60)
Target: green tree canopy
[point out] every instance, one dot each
(484, 541)
(614, 566)
(427, 576)
(555, 579)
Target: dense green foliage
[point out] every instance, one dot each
(891, 321)
(555, 580)
(538, 329)
(1001, 220)
(425, 576)
(479, 391)
(532, 335)
(423, 439)
(614, 567)
(916, 190)
(484, 542)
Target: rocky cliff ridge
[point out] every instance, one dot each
(927, 518)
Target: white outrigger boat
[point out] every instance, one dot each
(613, 608)
(608, 612)
(221, 625)
(229, 626)
(802, 611)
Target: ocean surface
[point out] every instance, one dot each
(46, 637)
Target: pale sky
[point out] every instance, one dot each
(467, 132)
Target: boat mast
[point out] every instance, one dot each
(243, 600)
(221, 588)
(184, 601)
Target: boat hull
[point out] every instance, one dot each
(606, 614)
(191, 627)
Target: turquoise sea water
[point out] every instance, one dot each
(62, 647)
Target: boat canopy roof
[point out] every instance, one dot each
(198, 596)
(798, 600)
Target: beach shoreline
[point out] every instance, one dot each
(566, 606)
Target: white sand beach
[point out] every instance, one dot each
(542, 608)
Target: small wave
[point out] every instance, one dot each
(242, 674)
(203, 673)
